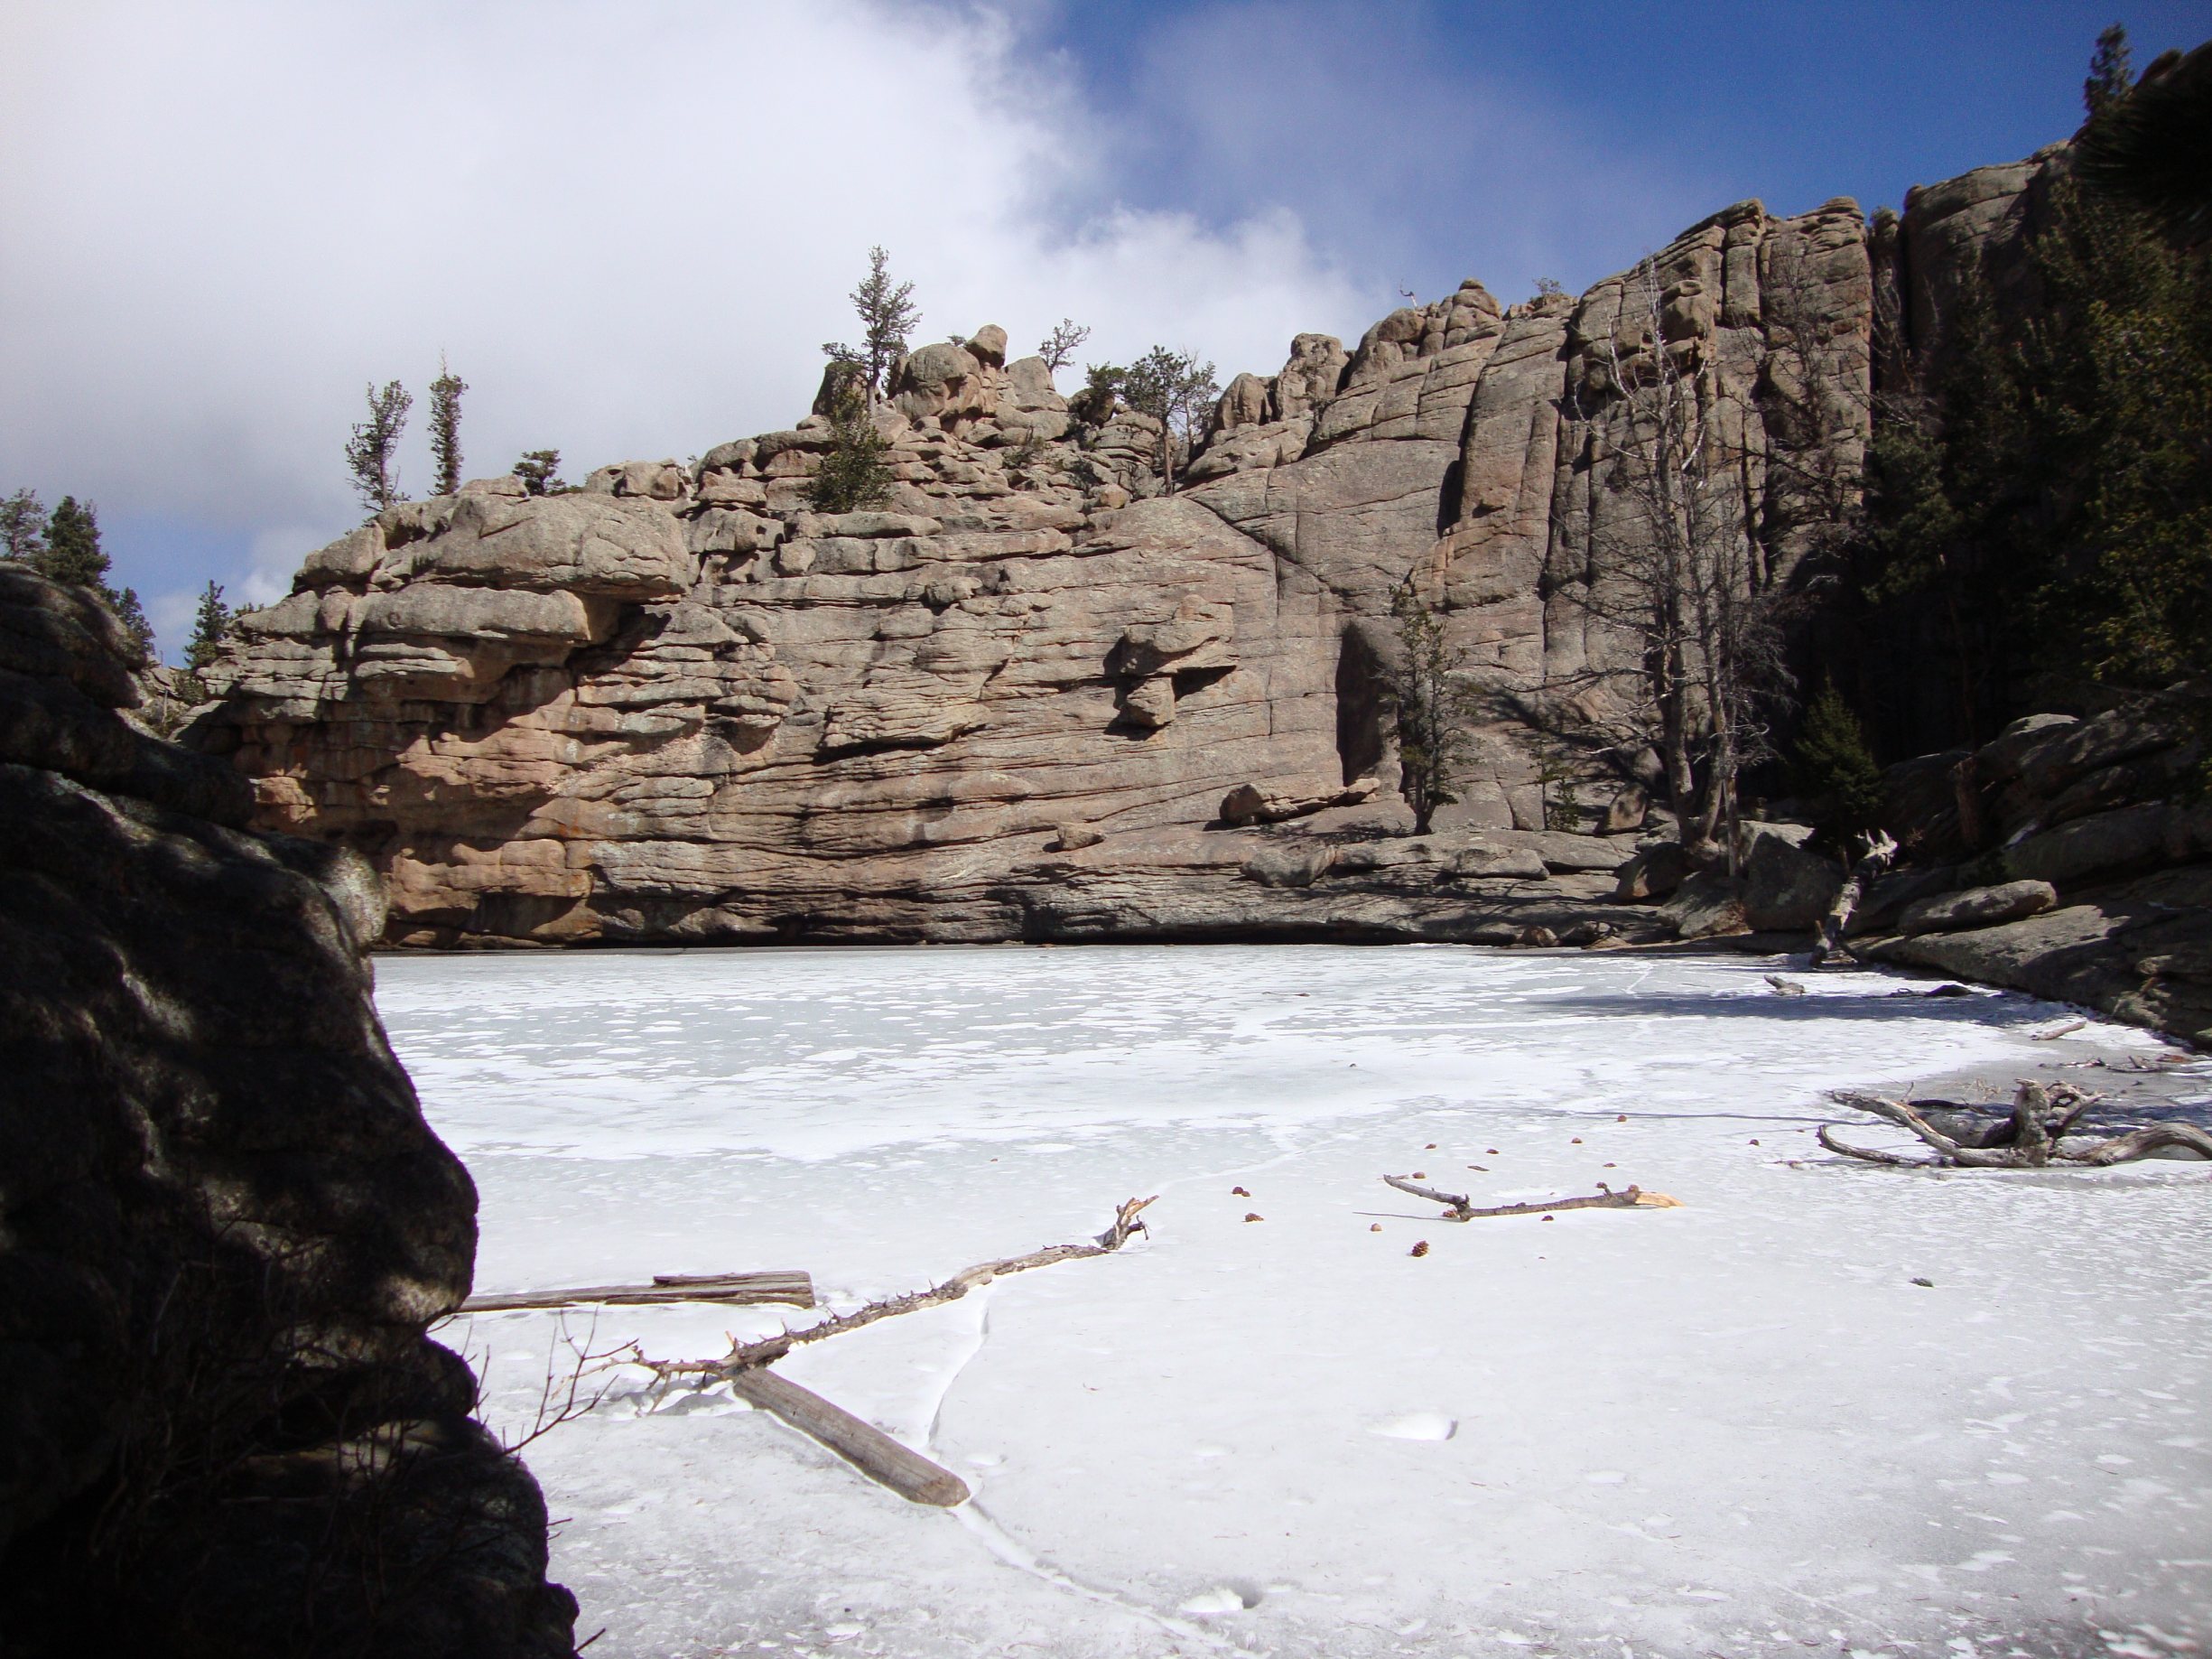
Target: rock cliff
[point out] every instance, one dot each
(223, 1224)
(1033, 696)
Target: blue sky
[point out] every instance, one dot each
(628, 223)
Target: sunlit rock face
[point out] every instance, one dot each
(224, 1227)
(680, 704)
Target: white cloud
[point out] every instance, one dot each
(627, 227)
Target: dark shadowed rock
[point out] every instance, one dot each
(1977, 907)
(222, 1429)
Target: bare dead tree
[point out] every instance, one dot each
(1678, 574)
(2032, 1137)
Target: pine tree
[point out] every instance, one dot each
(72, 552)
(135, 627)
(22, 527)
(854, 474)
(445, 427)
(372, 453)
(1833, 765)
(210, 627)
(888, 317)
(1175, 389)
(2111, 72)
(540, 471)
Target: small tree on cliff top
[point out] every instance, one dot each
(210, 625)
(887, 316)
(445, 427)
(854, 474)
(540, 471)
(22, 527)
(1058, 347)
(1175, 389)
(372, 453)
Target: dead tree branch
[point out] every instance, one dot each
(1877, 850)
(1457, 1207)
(734, 1290)
(2032, 1138)
(744, 1356)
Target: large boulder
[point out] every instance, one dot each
(222, 1427)
(1787, 886)
(1977, 907)
(1706, 904)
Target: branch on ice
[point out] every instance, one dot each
(1457, 1207)
(2031, 1138)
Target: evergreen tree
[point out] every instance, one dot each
(854, 474)
(72, 552)
(887, 316)
(1833, 765)
(2051, 489)
(372, 453)
(2111, 72)
(445, 427)
(540, 471)
(135, 627)
(1175, 389)
(210, 627)
(22, 527)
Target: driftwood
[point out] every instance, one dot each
(1876, 851)
(861, 1444)
(867, 1447)
(733, 1290)
(745, 1355)
(1457, 1207)
(2032, 1138)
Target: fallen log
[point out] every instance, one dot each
(1877, 850)
(2032, 1138)
(732, 1290)
(1459, 1207)
(861, 1444)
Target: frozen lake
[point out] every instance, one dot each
(1738, 1427)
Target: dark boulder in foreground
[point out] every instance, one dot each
(224, 1227)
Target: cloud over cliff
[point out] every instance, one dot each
(628, 229)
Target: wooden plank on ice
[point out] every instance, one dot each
(737, 1289)
(861, 1444)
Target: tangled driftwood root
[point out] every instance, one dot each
(1458, 1206)
(2032, 1137)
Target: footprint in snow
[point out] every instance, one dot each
(1220, 1599)
(1418, 1426)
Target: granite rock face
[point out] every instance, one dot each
(2071, 858)
(680, 706)
(227, 1225)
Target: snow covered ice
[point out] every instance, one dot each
(1737, 1427)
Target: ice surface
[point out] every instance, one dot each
(1737, 1427)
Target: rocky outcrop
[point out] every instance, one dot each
(681, 706)
(2068, 857)
(223, 1224)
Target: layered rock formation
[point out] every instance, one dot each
(223, 1224)
(1034, 697)
(677, 705)
(2071, 858)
